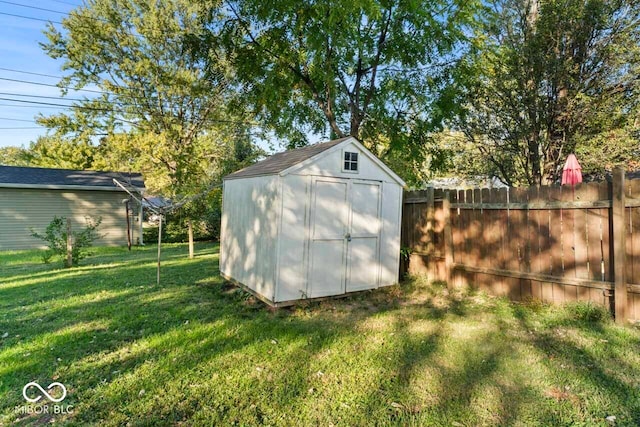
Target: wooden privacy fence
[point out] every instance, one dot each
(553, 243)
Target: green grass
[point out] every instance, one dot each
(196, 351)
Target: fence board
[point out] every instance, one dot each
(477, 247)
(464, 223)
(502, 196)
(455, 227)
(555, 233)
(568, 234)
(470, 216)
(605, 229)
(486, 230)
(535, 232)
(583, 192)
(526, 289)
(570, 293)
(634, 192)
(516, 232)
(438, 228)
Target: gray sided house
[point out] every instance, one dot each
(31, 197)
(319, 221)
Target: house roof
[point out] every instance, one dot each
(28, 177)
(279, 162)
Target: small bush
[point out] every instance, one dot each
(55, 235)
(587, 312)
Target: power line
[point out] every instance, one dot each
(64, 2)
(52, 85)
(45, 97)
(12, 70)
(29, 106)
(21, 127)
(16, 120)
(30, 17)
(32, 7)
(57, 105)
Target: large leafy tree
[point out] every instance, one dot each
(554, 77)
(56, 152)
(153, 94)
(376, 70)
(13, 156)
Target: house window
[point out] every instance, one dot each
(350, 161)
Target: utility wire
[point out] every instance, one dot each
(106, 110)
(25, 127)
(56, 105)
(52, 85)
(33, 7)
(44, 97)
(12, 70)
(17, 120)
(67, 3)
(14, 15)
(31, 106)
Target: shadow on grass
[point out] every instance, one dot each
(598, 376)
(197, 351)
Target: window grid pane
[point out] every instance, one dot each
(350, 161)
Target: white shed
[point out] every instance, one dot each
(314, 222)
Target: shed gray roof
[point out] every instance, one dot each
(278, 162)
(38, 177)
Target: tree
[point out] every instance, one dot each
(153, 91)
(553, 77)
(157, 102)
(64, 153)
(13, 156)
(375, 70)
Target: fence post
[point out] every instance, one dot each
(430, 248)
(448, 240)
(619, 239)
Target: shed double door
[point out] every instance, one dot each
(344, 253)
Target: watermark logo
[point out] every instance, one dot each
(44, 392)
(33, 393)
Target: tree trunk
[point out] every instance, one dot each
(190, 224)
(534, 162)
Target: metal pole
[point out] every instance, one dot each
(126, 207)
(159, 245)
(141, 224)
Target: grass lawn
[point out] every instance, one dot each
(195, 351)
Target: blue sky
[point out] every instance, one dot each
(21, 58)
(20, 50)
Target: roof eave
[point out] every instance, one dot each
(336, 147)
(231, 177)
(64, 187)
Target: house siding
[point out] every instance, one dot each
(24, 209)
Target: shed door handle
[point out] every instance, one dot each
(348, 237)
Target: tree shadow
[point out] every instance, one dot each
(198, 351)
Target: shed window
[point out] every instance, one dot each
(350, 161)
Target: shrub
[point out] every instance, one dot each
(587, 312)
(55, 235)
